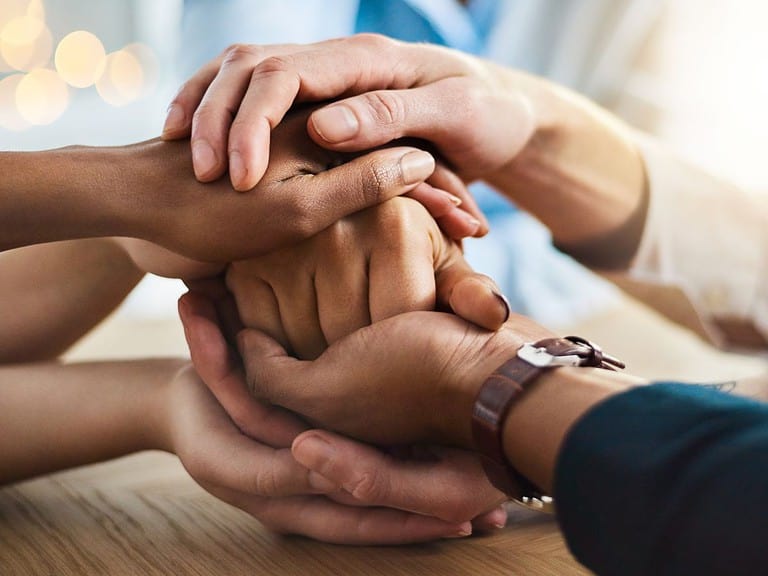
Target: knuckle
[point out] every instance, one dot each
(272, 65)
(266, 483)
(299, 217)
(370, 487)
(374, 42)
(239, 51)
(375, 180)
(386, 108)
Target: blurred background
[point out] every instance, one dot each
(101, 72)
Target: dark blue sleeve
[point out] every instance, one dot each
(667, 479)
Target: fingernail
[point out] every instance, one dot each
(174, 119)
(463, 531)
(416, 166)
(237, 170)
(312, 450)
(455, 200)
(321, 483)
(504, 302)
(498, 518)
(335, 123)
(474, 223)
(203, 158)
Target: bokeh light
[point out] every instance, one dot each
(80, 59)
(36, 9)
(122, 80)
(10, 119)
(150, 66)
(26, 43)
(41, 97)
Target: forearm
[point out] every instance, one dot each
(55, 417)
(581, 174)
(53, 294)
(540, 422)
(667, 479)
(64, 194)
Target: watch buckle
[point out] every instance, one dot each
(540, 358)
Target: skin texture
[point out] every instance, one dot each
(367, 267)
(148, 191)
(363, 475)
(542, 146)
(54, 293)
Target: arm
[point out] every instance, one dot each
(55, 417)
(519, 132)
(53, 294)
(147, 191)
(582, 172)
(648, 479)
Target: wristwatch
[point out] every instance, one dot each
(500, 391)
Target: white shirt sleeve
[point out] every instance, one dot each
(707, 237)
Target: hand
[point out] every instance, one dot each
(378, 263)
(411, 378)
(541, 145)
(304, 191)
(364, 486)
(477, 119)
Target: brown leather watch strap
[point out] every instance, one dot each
(496, 397)
(500, 391)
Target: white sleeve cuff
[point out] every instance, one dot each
(706, 236)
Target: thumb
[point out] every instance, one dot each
(472, 296)
(362, 182)
(271, 373)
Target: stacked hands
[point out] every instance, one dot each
(336, 289)
(350, 312)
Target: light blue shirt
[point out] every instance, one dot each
(585, 44)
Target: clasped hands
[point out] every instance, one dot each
(340, 332)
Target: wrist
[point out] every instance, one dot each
(579, 157)
(538, 423)
(458, 397)
(158, 416)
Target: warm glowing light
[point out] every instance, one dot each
(10, 119)
(26, 43)
(10, 9)
(122, 80)
(80, 59)
(35, 9)
(41, 97)
(150, 65)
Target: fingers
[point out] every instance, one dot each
(448, 180)
(444, 208)
(374, 118)
(271, 372)
(401, 267)
(313, 203)
(328, 521)
(178, 120)
(472, 296)
(207, 105)
(492, 520)
(242, 464)
(475, 125)
(451, 486)
(222, 375)
(341, 283)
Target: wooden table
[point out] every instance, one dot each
(143, 515)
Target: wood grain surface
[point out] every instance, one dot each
(143, 515)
